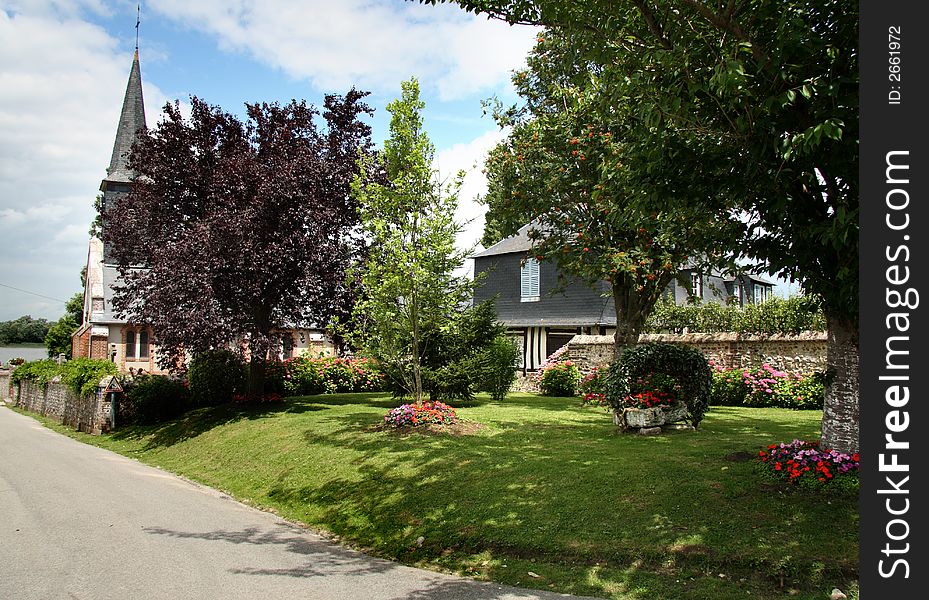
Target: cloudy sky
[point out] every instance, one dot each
(64, 67)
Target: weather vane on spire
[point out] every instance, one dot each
(138, 11)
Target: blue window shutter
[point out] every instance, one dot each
(529, 278)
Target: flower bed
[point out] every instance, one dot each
(803, 460)
(591, 388)
(429, 413)
(767, 386)
(329, 375)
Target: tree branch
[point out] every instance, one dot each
(726, 22)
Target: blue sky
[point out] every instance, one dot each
(64, 67)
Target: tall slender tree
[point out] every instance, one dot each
(235, 230)
(408, 282)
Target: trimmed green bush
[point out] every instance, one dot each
(151, 399)
(498, 367)
(216, 376)
(777, 315)
(685, 365)
(560, 379)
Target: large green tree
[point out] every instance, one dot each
(408, 286)
(761, 99)
(58, 338)
(564, 169)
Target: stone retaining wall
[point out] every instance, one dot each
(90, 414)
(6, 388)
(799, 354)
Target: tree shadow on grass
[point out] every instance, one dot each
(198, 421)
(522, 492)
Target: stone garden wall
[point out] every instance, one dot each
(799, 354)
(6, 385)
(90, 414)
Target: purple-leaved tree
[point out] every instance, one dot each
(234, 230)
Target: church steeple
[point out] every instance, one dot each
(119, 177)
(131, 121)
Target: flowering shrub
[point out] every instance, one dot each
(729, 388)
(429, 413)
(560, 379)
(654, 389)
(681, 372)
(767, 386)
(803, 460)
(761, 383)
(329, 375)
(553, 359)
(591, 388)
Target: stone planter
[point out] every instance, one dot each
(649, 418)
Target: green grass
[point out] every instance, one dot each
(545, 486)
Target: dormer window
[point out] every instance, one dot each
(529, 280)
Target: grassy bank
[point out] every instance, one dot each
(542, 493)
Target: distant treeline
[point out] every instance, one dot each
(24, 330)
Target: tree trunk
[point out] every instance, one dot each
(628, 319)
(840, 412)
(256, 376)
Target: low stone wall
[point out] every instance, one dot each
(90, 414)
(799, 354)
(6, 389)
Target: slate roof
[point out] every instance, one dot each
(519, 242)
(131, 121)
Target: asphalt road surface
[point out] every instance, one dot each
(79, 522)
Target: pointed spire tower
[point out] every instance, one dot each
(119, 177)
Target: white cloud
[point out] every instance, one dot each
(468, 157)
(373, 45)
(62, 81)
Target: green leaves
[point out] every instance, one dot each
(407, 283)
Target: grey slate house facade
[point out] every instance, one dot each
(543, 311)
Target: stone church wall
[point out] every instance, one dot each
(90, 414)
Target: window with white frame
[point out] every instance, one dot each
(696, 285)
(137, 344)
(529, 280)
(761, 293)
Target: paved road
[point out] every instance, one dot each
(84, 523)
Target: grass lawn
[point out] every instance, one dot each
(544, 486)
